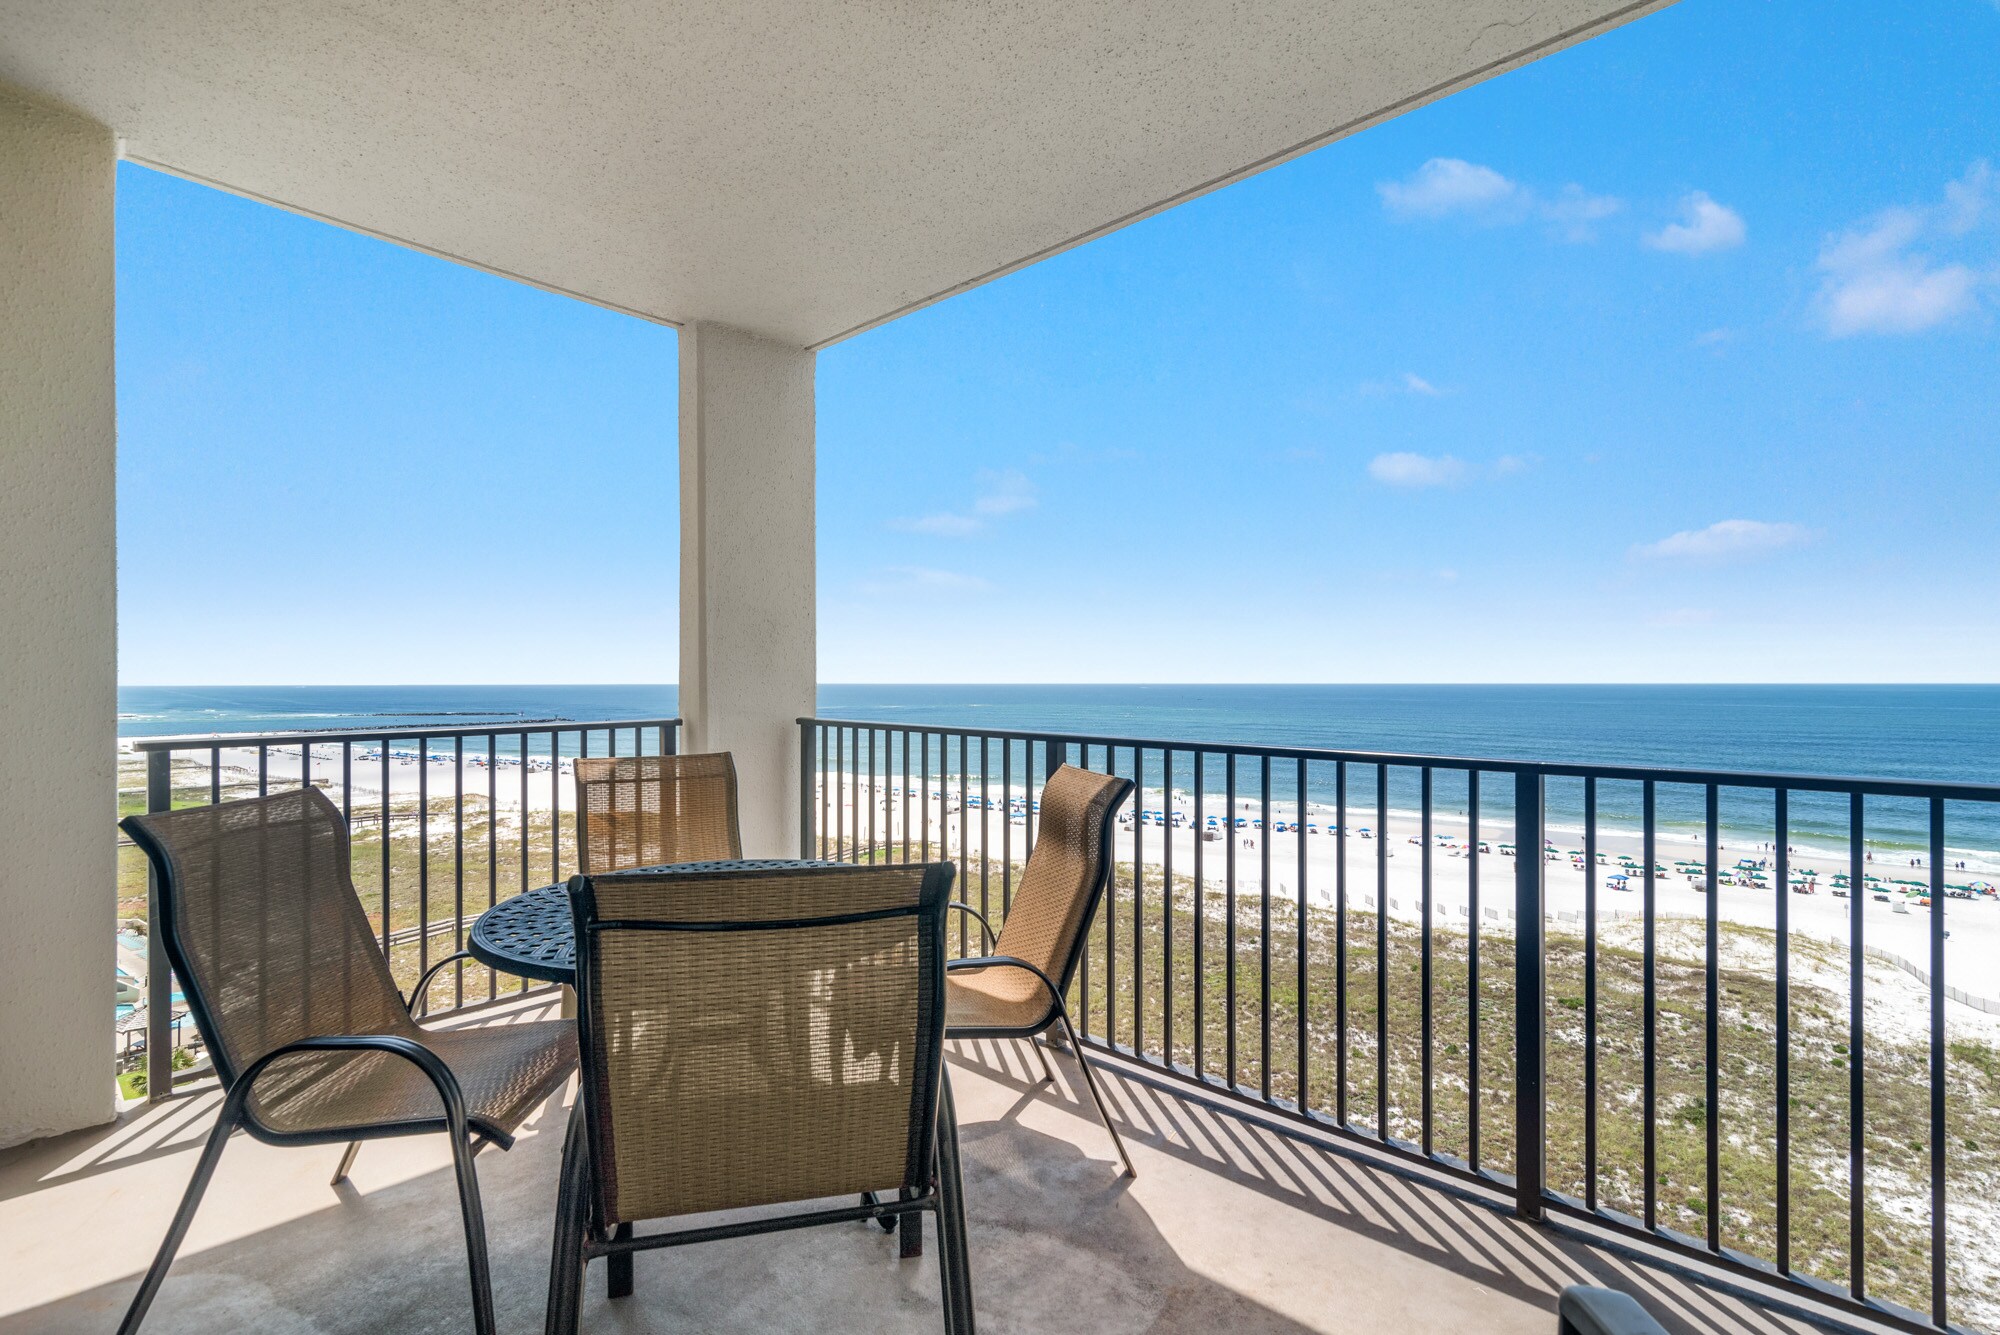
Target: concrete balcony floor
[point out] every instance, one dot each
(1231, 1226)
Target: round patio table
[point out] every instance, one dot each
(533, 936)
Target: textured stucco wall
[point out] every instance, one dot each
(58, 626)
(748, 647)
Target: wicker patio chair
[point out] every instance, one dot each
(757, 1037)
(646, 811)
(311, 1040)
(1016, 989)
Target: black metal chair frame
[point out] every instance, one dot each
(1058, 1012)
(580, 1233)
(467, 1139)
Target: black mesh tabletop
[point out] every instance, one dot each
(532, 936)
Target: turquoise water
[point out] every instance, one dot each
(1934, 733)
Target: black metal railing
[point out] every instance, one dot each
(423, 873)
(1717, 1086)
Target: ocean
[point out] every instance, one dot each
(1933, 733)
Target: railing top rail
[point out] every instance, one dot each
(1912, 788)
(511, 728)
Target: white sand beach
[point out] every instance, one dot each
(1391, 869)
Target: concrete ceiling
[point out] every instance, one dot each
(798, 168)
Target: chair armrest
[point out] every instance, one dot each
(989, 938)
(1005, 961)
(415, 1053)
(1583, 1310)
(420, 994)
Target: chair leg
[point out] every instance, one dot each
(204, 1169)
(910, 1235)
(954, 1263)
(346, 1162)
(1048, 1071)
(566, 1262)
(1090, 1083)
(618, 1267)
(475, 1232)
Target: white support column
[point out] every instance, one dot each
(748, 643)
(58, 621)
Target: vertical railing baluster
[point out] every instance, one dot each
(1711, 1030)
(1109, 912)
(1590, 994)
(805, 788)
(964, 828)
(423, 855)
(1264, 928)
(1938, 1071)
(263, 770)
(1424, 964)
(1648, 968)
(522, 757)
(903, 803)
(385, 845)
(1167, 986)
(1229, 925)
(493, 839)
(1472, 912)
(1856, 1028)
(1200, 920)
(1340, 943)
(1138, 900)
(1083, 963)
(555, 806)
(214, 775)
(1530, 1001)
(458, 867)
(1382, 953)
(1782, 816)
(159, 972)
(1007, 832)
(985, 821)
(1300, 825)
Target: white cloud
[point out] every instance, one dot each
(1968, 199)
(1407, 383)
(913, 581)
(1575, 212)
(1705, 226)
(1906, 297)
(1874, 279)
(1000, 494)
(1725, 540)
(1416, 470)
(1444, 187)
(1003, 494)
(1449, 185)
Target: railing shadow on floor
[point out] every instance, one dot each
(1055, 1250)
(1440, 1222)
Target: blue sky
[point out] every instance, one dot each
(1672, 357)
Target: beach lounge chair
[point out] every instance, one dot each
(825, 1077)
(647, 811)
(311, 1040)
(1016, 990)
